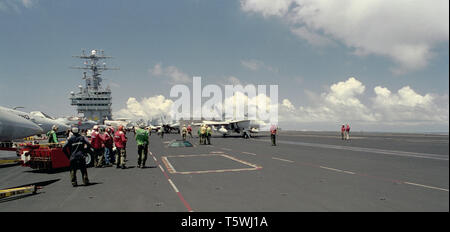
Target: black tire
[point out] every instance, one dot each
(89, 160)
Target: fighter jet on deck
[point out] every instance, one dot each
(44, 121)
(79, 122)
(13, 126)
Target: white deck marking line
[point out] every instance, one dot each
(226, 149)
(193, 155)
(216, 152)
(173, 186)
(337, 170)
(426, 186)
(241, 161)
(154, 158)
(285, 160)
(186, 204)
(368, 150)
(249, 153)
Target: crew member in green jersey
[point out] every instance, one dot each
(142, 142)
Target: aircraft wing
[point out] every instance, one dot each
(213, 123)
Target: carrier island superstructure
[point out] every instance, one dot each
(92, 100)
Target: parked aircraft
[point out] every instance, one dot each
(230, 127)
(125, 122)
(42, 120)
(81, 123)
(13, 126)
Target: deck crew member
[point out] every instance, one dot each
(52, 138)
(108, 142)
(75, 150)
(161, 131)
(273, 134)
(203, 134)
(343, 132)
(189, 130)
(142, 142)
(184, 132)
(97, 144)
(120, 141)
(347, 132)
(208, 134)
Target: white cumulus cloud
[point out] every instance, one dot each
(408, 106)
(172, 73)
(255, 65)
(148, 108)
(15, 5)
(342, 104)
(403, 30)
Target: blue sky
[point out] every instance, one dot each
(216, 40)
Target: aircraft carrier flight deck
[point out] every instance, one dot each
(305, 172)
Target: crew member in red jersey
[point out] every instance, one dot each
(120, 141)
(97, 144)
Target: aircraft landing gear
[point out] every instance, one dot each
(246, 136)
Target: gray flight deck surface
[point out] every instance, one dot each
(307, 171)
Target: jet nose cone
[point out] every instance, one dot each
(63, 127)
(35, 129)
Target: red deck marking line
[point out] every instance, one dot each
(180, 196)
(185, 202)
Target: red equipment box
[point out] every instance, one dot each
(43, 157)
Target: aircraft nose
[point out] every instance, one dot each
(63, 127)
(27, 128)
(35, 129)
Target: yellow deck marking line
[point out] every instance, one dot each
(285, 160)
(172, 170)
(218, 171)
(248, 153)
(168, 164)
(241, 161)
(426, 186)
